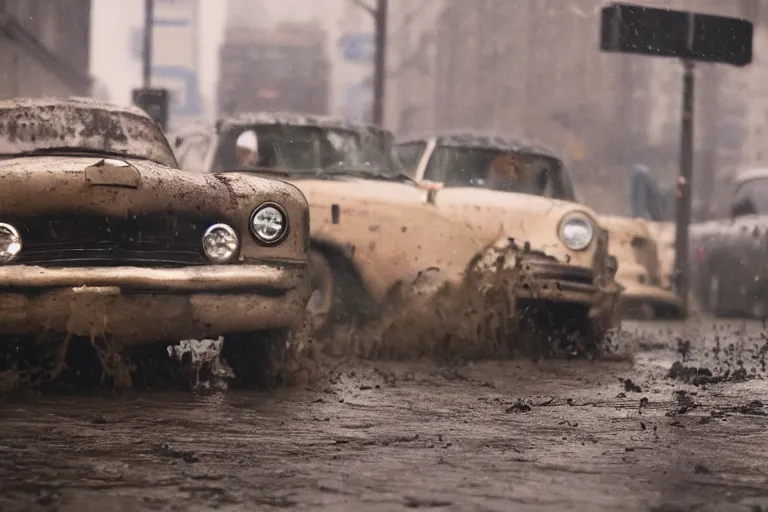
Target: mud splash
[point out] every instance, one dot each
(478, 318)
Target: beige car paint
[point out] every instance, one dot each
(387, 230)
(526, 218)
(391, 231)
(641, 269)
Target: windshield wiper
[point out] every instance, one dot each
(367, 174)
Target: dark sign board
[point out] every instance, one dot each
(628, 28)
(154, 102)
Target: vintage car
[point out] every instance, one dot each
(464, 160)
(373, 228)
(102, 236)
(644, 268)
(729, 274)
(500, 185)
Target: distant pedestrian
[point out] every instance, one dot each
(644, 195)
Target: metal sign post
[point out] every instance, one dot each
(636, 29)
(380, 16)
(684, 189)
(149, 9)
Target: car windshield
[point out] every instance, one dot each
(306, 150)
(752, 196)
(501, 170)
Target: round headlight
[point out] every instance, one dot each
(220, 243)
(577, 231)
(10, 243)
(269, 223)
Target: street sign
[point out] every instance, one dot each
(155, 103)
(357, 47)
(691, 37)
(175, 54)
(628, 28)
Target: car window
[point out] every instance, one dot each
(433, 171)
(496, 169)
(410, 156)
(756, 192)
(306, 149)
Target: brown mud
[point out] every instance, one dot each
(495, 435)
(429, 319)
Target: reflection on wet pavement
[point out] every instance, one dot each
(554, 435)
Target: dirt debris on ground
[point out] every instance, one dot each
(354, 433)
(382, 435)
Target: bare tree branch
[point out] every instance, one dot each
(363, 5)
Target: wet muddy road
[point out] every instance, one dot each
(513, 435)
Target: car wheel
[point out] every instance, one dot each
(718, 296)
(338, 295)
(255, 357)
(321, 301)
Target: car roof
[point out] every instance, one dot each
(81, 102)
(482, 139)
(751, 174)
(300, 119)
(29, 124)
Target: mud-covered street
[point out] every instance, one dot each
(620, 434)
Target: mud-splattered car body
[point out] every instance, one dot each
(647, 292)
(371, 228)
(102, 235)
(728, 256)
(446, 163)
(664, 235)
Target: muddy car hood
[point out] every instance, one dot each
(524, 217)
(56, 184)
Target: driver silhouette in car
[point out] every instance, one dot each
(247, 150)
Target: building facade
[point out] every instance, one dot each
(44, 47)
(533, 68)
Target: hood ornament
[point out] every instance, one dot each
(111, 172)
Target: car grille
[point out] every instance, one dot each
(88, 240)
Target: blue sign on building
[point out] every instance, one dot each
(190, 107)
(356, 47)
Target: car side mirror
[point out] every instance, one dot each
(432, 187)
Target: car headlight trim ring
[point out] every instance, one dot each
(10, 243)
(577, 231)
(268, 223)
(220, 243)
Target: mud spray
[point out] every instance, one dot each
(474, 319)
(426, 319)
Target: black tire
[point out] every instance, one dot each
(719, 299)
(345, 300)
(254, 357)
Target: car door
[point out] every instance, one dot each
(745, 242)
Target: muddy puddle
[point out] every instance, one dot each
(553, 434)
